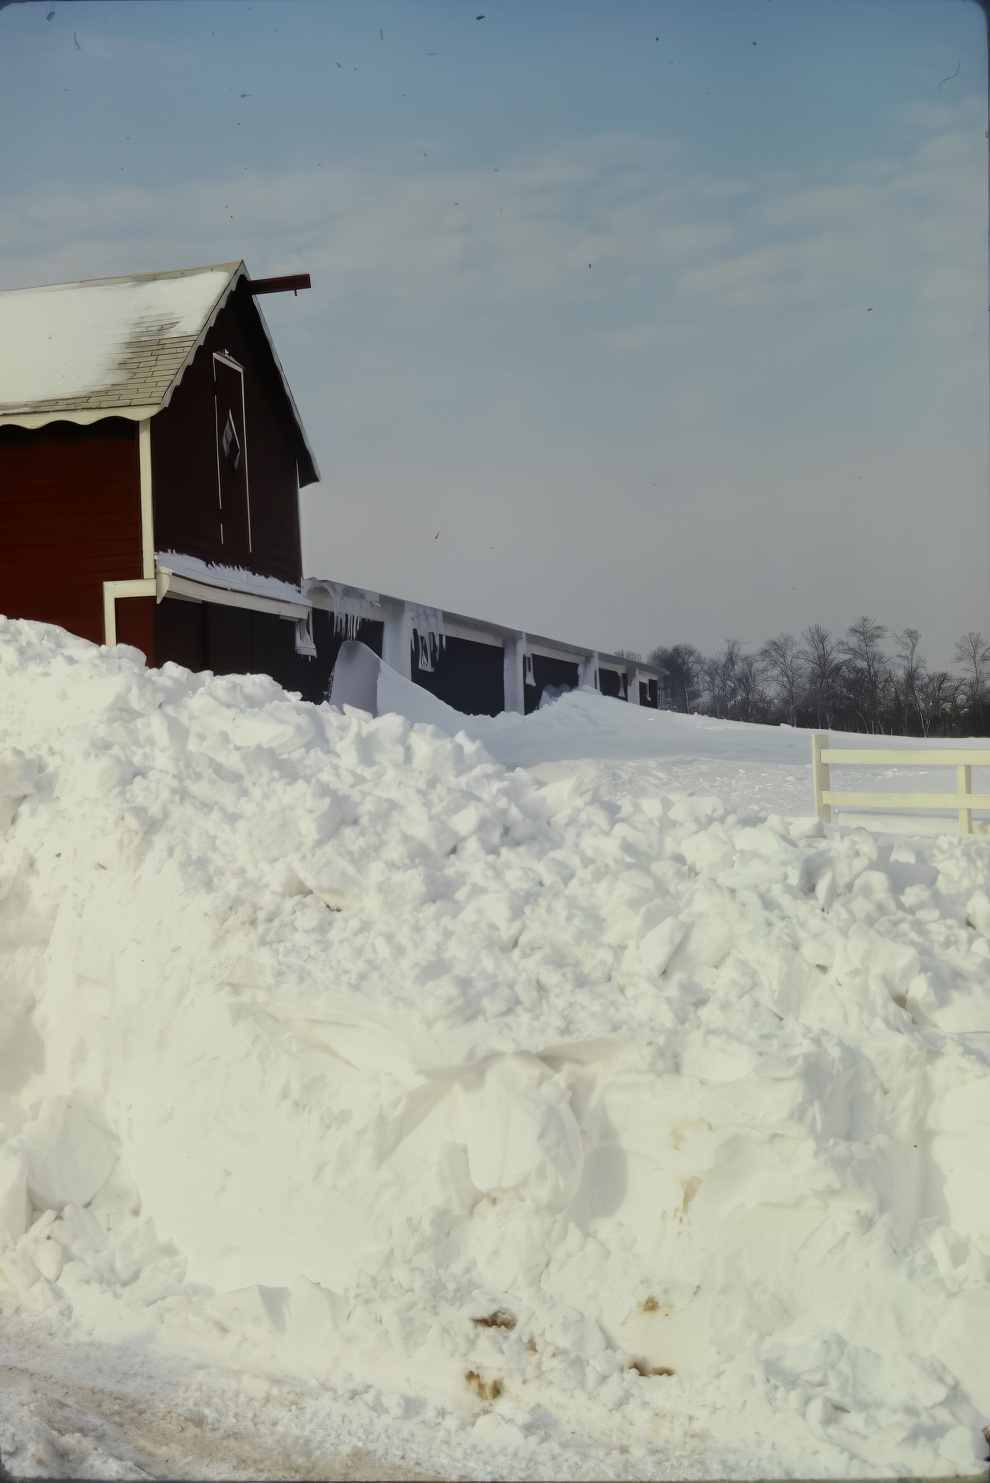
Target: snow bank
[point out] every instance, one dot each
(569, 1114)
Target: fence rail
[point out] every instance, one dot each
(963, 801)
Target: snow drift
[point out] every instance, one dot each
(331, 1047)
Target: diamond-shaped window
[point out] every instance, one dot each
(231, 443)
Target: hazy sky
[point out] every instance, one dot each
(630, 322)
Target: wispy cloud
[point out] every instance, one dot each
(911, 228)
(432, 233)
(593, 217)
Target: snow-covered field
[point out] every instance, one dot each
(556, 1099)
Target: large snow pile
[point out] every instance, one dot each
(569, 1115)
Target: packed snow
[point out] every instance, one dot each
(554, 1098)
(236, 578)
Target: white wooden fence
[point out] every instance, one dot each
(963, 800)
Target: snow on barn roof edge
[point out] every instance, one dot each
(116, 346)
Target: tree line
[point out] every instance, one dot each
(864, 680)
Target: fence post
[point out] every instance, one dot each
(820, 776)
(964, 785)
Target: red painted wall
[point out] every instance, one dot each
(70, 520)
(136, 625)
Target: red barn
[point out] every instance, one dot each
(151, 456)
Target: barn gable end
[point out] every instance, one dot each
(194, 476)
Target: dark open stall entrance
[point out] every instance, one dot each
(556, 672)
(466, 675)
(234, 640)
(610, 683)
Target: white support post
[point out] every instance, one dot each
(397, 638)
(138, 587)
(821, 776)
(964, 787)
(632, 686)
(147, 500)
(109, 616)
(513, 693)
(588, 671)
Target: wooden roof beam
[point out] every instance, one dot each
(295, 281)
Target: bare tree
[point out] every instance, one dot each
(909, 677)
(752, 702)
(938, 700)
(731, 685)
(821, 655)
(681, 666)
(782, 664)
(867, 674)
(972, 654)
(719, 679)
(849, 682)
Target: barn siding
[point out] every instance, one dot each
(184, 455)
(70, 520)
(136, 625)
(180, 633)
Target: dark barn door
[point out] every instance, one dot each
(467, 675)
(232, 464)
(610, 683)
(559, 673)
(180, 633)
(228, 639)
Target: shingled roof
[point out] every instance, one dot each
(113, 346)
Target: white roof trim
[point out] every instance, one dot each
(84, 416)
(167, 582)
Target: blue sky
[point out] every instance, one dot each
(669, 318)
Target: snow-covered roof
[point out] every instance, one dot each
(114, 345)
(105, 342)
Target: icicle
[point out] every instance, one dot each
(427, 625)
(425, 650)
(528, 667)
(351, 605)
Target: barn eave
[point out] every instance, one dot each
(82, 416)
